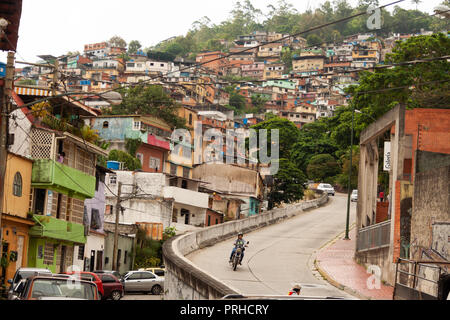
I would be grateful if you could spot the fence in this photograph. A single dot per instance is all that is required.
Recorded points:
(374, 237)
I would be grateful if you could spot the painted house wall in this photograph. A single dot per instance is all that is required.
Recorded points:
(125, 245)
(17, 205)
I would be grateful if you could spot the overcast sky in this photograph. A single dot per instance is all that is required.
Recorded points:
(58, 26)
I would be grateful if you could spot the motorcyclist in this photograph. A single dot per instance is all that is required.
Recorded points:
(239, 242)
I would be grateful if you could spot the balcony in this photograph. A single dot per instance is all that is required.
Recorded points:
(50, 227)
(52, 175)
(187, 197)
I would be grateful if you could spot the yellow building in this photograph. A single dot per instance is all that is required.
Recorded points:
(273, 71)
(308, 63)
(15, 222)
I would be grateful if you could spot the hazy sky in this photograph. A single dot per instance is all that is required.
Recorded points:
(58, 26)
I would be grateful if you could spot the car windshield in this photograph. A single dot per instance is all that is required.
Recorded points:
(62, 288)
(355, 191)
(327, 186)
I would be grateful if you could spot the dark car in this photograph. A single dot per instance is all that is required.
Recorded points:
(114, 273)
(112, 287)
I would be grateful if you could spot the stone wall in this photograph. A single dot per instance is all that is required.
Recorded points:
(185, 281)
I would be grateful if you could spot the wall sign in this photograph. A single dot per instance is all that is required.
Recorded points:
(387, 156)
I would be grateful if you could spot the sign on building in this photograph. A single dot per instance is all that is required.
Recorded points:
(387, 156)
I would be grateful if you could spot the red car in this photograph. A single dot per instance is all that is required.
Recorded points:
(91, 277)
(112, 286)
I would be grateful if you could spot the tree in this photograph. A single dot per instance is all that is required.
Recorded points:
(131, 163)
(237, 101)
(258, 102)
(117, 41)
(288, 134)
(149, 100)
(288, 184)
(342, 179)
(421, 85)
(134, 46)
(323, 168)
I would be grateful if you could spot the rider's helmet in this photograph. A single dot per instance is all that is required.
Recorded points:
(240, 234)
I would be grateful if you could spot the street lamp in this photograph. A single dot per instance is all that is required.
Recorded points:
(349, 178)
(350, 173)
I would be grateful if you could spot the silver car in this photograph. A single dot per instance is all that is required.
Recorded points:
(23, 274)
(354, 196)
(143, 281)
(325, 187)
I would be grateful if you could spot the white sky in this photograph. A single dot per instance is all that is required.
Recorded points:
(58, 26)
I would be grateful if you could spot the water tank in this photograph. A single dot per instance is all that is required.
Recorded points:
(113, 165)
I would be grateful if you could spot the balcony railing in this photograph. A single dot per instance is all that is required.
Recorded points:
(374, 237)
(50, 227)
(49, 174)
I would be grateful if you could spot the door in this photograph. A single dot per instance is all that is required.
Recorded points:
(62, 264)
(92, 262)
(133, 282)
(99, 265)
(20, 241)
(148, 280)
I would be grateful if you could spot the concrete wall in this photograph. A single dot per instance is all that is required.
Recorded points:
(185, 281)
(430, 214)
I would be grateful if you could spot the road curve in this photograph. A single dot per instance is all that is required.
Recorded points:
(280, 255)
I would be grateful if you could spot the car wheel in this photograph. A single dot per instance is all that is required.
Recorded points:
(115, 295)
(156, 290)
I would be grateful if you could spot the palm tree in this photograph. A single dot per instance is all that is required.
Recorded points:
(416, 2)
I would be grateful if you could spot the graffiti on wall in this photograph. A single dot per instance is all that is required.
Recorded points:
(441, 238)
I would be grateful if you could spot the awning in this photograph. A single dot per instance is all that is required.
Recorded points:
(32, 91)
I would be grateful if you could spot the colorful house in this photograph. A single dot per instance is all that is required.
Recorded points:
(15, 220)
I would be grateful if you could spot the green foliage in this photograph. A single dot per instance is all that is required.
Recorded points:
(169, 232)
(134, 46)
(149, 100)
(161, 56)
(132, 145)
(288, 184)
(288, 134)
(117, 41)
(342, 179)
(130, 162)
(323, 168)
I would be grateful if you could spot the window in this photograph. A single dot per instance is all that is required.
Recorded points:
(105, 125)
(136, 125)
(17, 185)
(135, 276)
(109, 209)
(155, 163)
(95, 219)
(173, 169)
(140, 157)
(125, 257)
(209, 220)
(184, 184)
(190, 118)
(112, 179)
(81, 252)
(186, 172)
(147, 275)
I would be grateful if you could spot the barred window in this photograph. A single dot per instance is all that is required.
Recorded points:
(17, 185)
(49, 253)
(81, 252)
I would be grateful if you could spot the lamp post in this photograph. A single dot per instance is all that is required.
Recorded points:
(349, 178)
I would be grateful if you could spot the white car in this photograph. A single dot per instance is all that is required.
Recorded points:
(354, 196)
(328, 188)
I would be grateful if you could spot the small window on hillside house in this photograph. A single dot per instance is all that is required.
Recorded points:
(17, 185)
(105, 125)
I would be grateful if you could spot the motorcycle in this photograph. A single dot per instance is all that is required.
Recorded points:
(237, 256)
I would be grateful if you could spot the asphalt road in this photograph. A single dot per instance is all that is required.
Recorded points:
(281, 255)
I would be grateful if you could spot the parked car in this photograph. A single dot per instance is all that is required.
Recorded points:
(112, 287)
(114, 273)
(143, 281)
(57, 287)
(158, 271)
(23, 273)
(90, 276)
(325, 187)
(354, 196)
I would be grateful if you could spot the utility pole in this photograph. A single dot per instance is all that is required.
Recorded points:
(5, 94)
(116, 228)
(349, 179)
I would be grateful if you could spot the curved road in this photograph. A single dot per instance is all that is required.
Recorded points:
(280, 255)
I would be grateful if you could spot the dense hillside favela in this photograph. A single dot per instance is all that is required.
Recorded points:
(110, 151)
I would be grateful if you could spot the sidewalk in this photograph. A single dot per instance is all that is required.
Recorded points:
(335, 263)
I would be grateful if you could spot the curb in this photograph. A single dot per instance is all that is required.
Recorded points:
(330, 279)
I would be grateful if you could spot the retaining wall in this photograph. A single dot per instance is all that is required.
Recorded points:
(185, 281)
